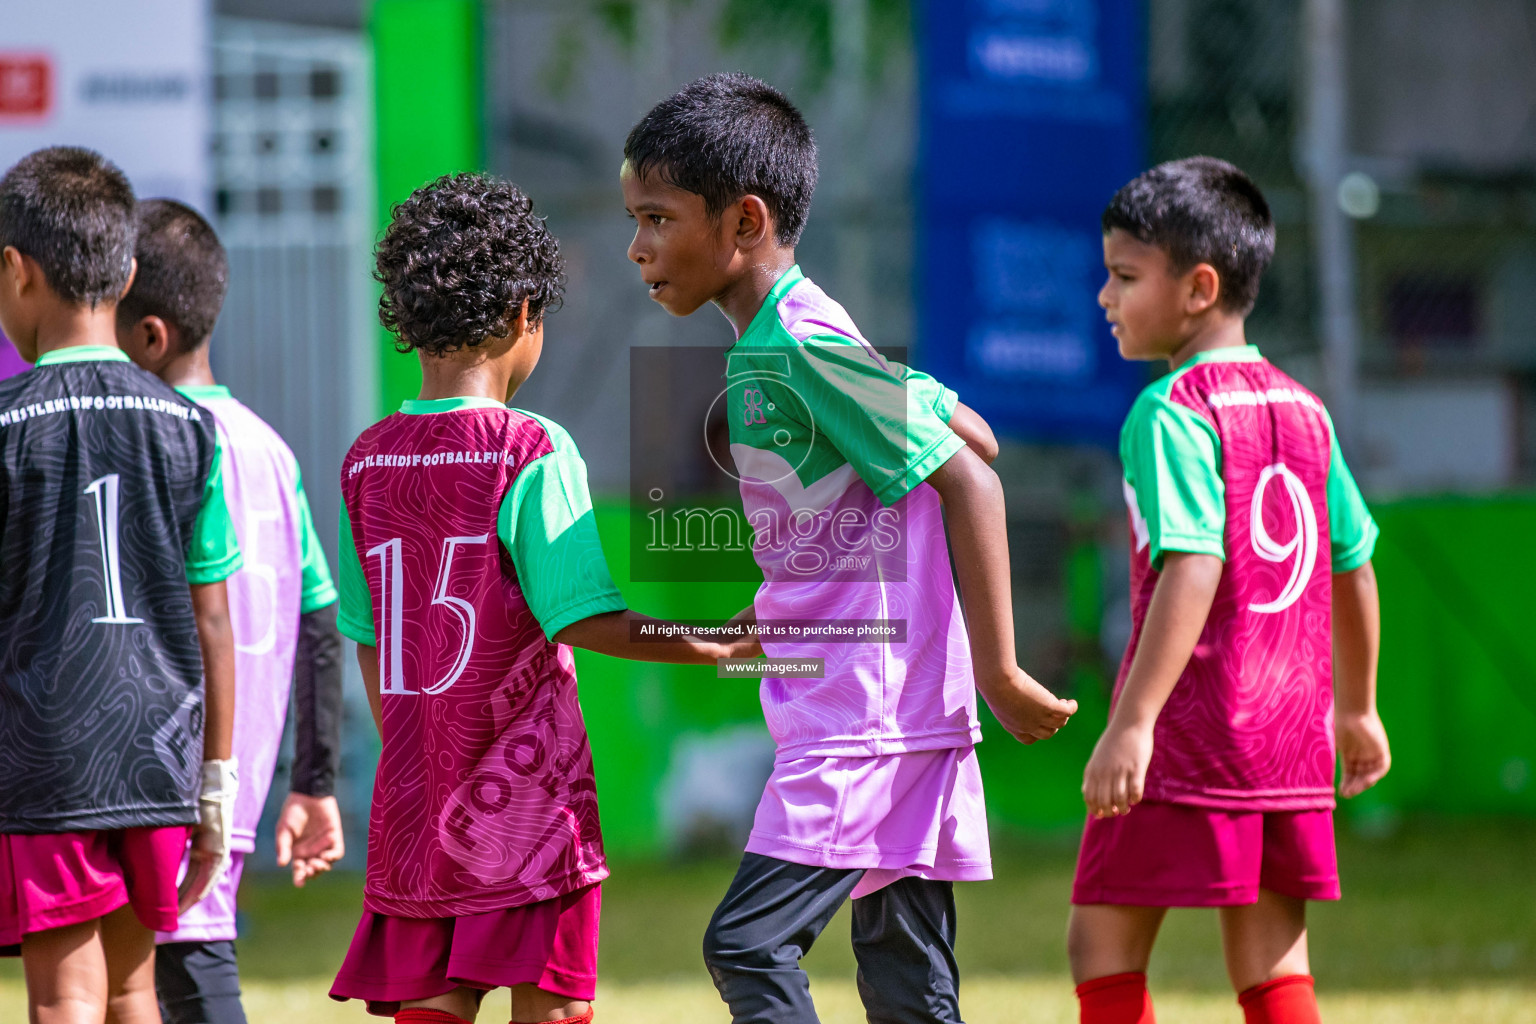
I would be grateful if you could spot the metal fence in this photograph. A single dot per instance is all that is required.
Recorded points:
(1397, 146)
(293, 202)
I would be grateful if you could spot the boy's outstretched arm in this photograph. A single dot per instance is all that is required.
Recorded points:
(210, 610)
(1117, 771)
(614, 634)
(974, 431)
(976, 520)
(309, 834)
(1362, 740)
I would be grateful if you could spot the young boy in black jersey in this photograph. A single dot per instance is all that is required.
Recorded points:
(111, 505)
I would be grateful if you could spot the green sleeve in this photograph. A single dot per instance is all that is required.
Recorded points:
(548, 527)
(318, 590)
(890, 432)
(1352, 530)
(354, 616)
(924, 390)
(1172, 459)
(214, 553)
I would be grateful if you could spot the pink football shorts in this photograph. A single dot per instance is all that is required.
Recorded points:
(1174, 855)
(59, 879)
(551, 944)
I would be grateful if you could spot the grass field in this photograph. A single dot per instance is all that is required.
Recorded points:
(1438, 925)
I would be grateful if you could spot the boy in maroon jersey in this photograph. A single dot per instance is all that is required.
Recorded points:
(1212, 785)
(470, 564)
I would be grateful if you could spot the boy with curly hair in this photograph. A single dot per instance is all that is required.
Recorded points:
(470, 564)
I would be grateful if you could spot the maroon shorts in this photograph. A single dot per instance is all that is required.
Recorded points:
(552, 944)
(1173, 855)
(65, 878)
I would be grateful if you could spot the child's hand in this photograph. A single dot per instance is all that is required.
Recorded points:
(309, 835)
(213, 835)
(1362, 741)
(1026, 709)
(1117, 772)
(748, 646)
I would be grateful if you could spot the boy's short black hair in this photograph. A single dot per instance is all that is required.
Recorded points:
(457, 261)
(183, 271)
(728, 136)
(1201, 210)
(71, 210)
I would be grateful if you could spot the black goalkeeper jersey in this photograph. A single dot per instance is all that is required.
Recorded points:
(104, 471)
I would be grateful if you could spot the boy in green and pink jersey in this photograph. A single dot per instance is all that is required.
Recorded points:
(1212, 785)
(849, 465)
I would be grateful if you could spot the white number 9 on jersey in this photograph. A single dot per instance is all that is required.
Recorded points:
(1300, 550)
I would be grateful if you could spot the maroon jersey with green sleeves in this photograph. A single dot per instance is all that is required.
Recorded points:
(1228, 456)
(484, 797)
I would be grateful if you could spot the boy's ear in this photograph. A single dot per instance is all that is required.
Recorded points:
(150, 343)
(16, 266)
(754, 224)
(517, 324)
(1204, 289)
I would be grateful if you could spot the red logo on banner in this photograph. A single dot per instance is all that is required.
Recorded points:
(26, 85)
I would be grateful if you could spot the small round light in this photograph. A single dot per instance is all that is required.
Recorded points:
(1359, 195)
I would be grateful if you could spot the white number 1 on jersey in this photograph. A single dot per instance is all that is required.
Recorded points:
(104, 490)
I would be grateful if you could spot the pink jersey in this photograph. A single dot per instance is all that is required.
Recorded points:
(1250, 724)
(261, 487)
(485, 797)
(832, 444)
(284, 575)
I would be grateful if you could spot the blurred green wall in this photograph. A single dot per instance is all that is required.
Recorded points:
(1458, 664)
(636, 711)
(427, 95)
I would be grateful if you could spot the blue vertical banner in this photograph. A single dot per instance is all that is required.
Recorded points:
(1033, 114)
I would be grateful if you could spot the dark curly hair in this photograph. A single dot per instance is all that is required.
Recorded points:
(457, 261)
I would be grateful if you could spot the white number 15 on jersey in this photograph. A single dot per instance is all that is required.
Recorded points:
(391, 599)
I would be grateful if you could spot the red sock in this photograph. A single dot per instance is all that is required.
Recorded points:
(1287, 1000)
(585, 1018)
(427, 1015)
(1117, 999)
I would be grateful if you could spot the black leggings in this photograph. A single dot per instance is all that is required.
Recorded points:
(198, 983)
(903, 938)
